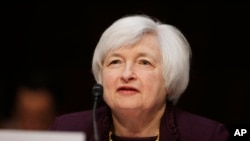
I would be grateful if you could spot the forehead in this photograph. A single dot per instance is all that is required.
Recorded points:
(147, 45)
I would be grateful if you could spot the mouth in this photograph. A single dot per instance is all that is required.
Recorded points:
(127, 90)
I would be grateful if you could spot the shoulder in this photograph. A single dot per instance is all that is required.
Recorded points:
(195, 127)
(183, 117)
(77, 121)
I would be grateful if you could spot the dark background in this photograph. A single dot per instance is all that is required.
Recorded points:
(59, 37)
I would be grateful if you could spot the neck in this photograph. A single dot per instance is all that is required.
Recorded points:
(137, 123)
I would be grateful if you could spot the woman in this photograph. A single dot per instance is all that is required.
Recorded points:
(143, 66)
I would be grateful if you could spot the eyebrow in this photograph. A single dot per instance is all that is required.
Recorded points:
(111, 55)
(141, 54)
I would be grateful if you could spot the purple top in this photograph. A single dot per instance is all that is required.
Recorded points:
(176, 125)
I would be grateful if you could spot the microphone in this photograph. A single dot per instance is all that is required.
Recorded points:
(97, 92)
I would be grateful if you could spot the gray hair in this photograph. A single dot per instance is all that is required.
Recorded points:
(174, 47)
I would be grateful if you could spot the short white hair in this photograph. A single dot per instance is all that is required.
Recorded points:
(174, 47)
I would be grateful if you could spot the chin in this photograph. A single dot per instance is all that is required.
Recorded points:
(127, 106)
(122, 103)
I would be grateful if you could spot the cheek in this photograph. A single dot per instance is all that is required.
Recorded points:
(109, 78)
(154, 83)
(152, 78)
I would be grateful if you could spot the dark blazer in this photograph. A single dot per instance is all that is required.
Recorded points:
(176, 125)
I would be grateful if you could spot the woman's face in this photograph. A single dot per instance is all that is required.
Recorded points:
(132, 76)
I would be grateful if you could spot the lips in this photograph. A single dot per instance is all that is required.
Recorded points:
(127, 90)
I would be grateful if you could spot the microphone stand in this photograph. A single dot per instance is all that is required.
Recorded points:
(97, 92)
(94, 120)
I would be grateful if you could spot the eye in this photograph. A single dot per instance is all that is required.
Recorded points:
(115, 62)
(144, 62)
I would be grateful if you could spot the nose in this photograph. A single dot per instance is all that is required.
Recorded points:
(128, 73)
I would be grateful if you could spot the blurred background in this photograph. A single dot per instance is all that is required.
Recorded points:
(47, 47)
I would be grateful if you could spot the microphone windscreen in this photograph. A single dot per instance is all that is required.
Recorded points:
(97, 90)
